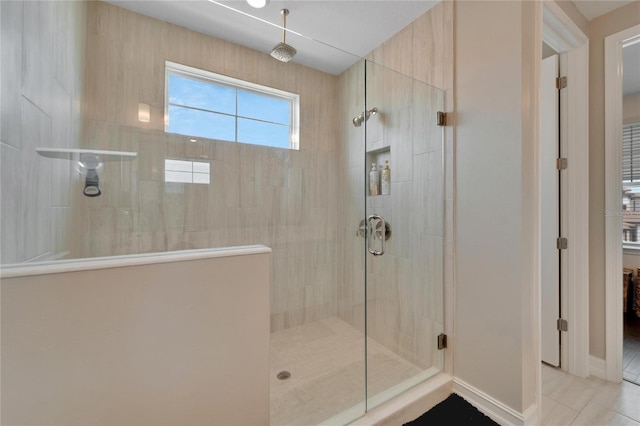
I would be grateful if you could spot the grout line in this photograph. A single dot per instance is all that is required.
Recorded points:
(624, 415)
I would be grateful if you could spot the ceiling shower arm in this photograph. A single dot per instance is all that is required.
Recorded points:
(284, 13)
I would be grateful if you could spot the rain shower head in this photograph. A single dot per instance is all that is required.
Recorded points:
(364, 116)
(282, 51)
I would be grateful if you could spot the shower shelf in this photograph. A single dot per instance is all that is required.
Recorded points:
(74, 154)
(379, 150)
(379, 156)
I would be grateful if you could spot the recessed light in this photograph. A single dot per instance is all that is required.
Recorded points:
(258, 4)
(193, 140)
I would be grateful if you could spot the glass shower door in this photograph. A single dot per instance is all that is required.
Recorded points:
(404, 213)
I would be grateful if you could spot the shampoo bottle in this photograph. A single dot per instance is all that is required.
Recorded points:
(374, 180)
(385, 185)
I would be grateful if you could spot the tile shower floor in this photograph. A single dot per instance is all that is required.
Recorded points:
(325, 359)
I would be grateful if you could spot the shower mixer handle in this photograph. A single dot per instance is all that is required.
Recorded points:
(372, 232)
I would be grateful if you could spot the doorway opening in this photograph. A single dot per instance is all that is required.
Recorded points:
(620, 255)
(631, 209)
(565, 38)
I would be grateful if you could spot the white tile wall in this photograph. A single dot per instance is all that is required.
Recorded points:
(42, 67)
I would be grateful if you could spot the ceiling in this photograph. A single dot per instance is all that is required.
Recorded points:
(592, 9)
(356, 27)
(316, 26)
(631, 55)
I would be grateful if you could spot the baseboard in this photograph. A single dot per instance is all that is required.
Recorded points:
(597, 367)
(499, 412)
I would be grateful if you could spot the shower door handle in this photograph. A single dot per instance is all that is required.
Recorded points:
(372, 233)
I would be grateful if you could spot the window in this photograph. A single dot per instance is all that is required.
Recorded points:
(631, 185)
(182, 171)
(201, 103)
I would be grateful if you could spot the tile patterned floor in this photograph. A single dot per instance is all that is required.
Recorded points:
(631, 351)
(570, 400)
(631, 360)
(315, 392)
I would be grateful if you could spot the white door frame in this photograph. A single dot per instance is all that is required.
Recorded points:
(566, 38)
(613, 199)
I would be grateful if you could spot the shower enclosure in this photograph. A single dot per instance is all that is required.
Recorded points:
(357, 269)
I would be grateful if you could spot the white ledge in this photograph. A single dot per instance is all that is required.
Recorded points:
(74, 154)
(42, 268)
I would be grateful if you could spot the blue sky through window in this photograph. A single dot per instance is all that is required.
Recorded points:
(197, 94)
(193, 122)
(218, 111)
(262, 133)
(262, 107)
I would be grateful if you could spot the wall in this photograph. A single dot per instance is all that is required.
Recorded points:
(631, 260)
(131, 341)
(631, 109)
(576, 16)
(600, 27)
(281, 198)
(405, 286)
(42, 56)
(496, 349)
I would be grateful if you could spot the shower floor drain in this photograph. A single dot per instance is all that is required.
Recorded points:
(283, 375)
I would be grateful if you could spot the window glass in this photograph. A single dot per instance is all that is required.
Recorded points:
(196, 94)
(263, 133)
(194, 122)
(204, 104)
(262, 107)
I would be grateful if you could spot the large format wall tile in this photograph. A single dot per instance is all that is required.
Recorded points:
(11, 82)
(42, 75)
(257, 195)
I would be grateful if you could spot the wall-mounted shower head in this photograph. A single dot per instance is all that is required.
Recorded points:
(282, 51)
(89, 166)
(92, 184)
(364, 116)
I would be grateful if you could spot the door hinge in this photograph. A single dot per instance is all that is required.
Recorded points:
(442, 341)
(563, 325)
(561, 163)
(562, 243)
(442, 118)
(561, 82)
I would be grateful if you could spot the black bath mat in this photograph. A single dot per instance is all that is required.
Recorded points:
(453, 411)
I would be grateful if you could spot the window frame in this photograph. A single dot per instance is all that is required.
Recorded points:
(208, 77)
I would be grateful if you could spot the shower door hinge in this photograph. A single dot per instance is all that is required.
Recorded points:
(561, 163)
(563, 325)
(562, 243)
(561, 82)
(442, 341)
(442, 118)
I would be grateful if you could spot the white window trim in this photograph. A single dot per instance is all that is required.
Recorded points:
(210, 77)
